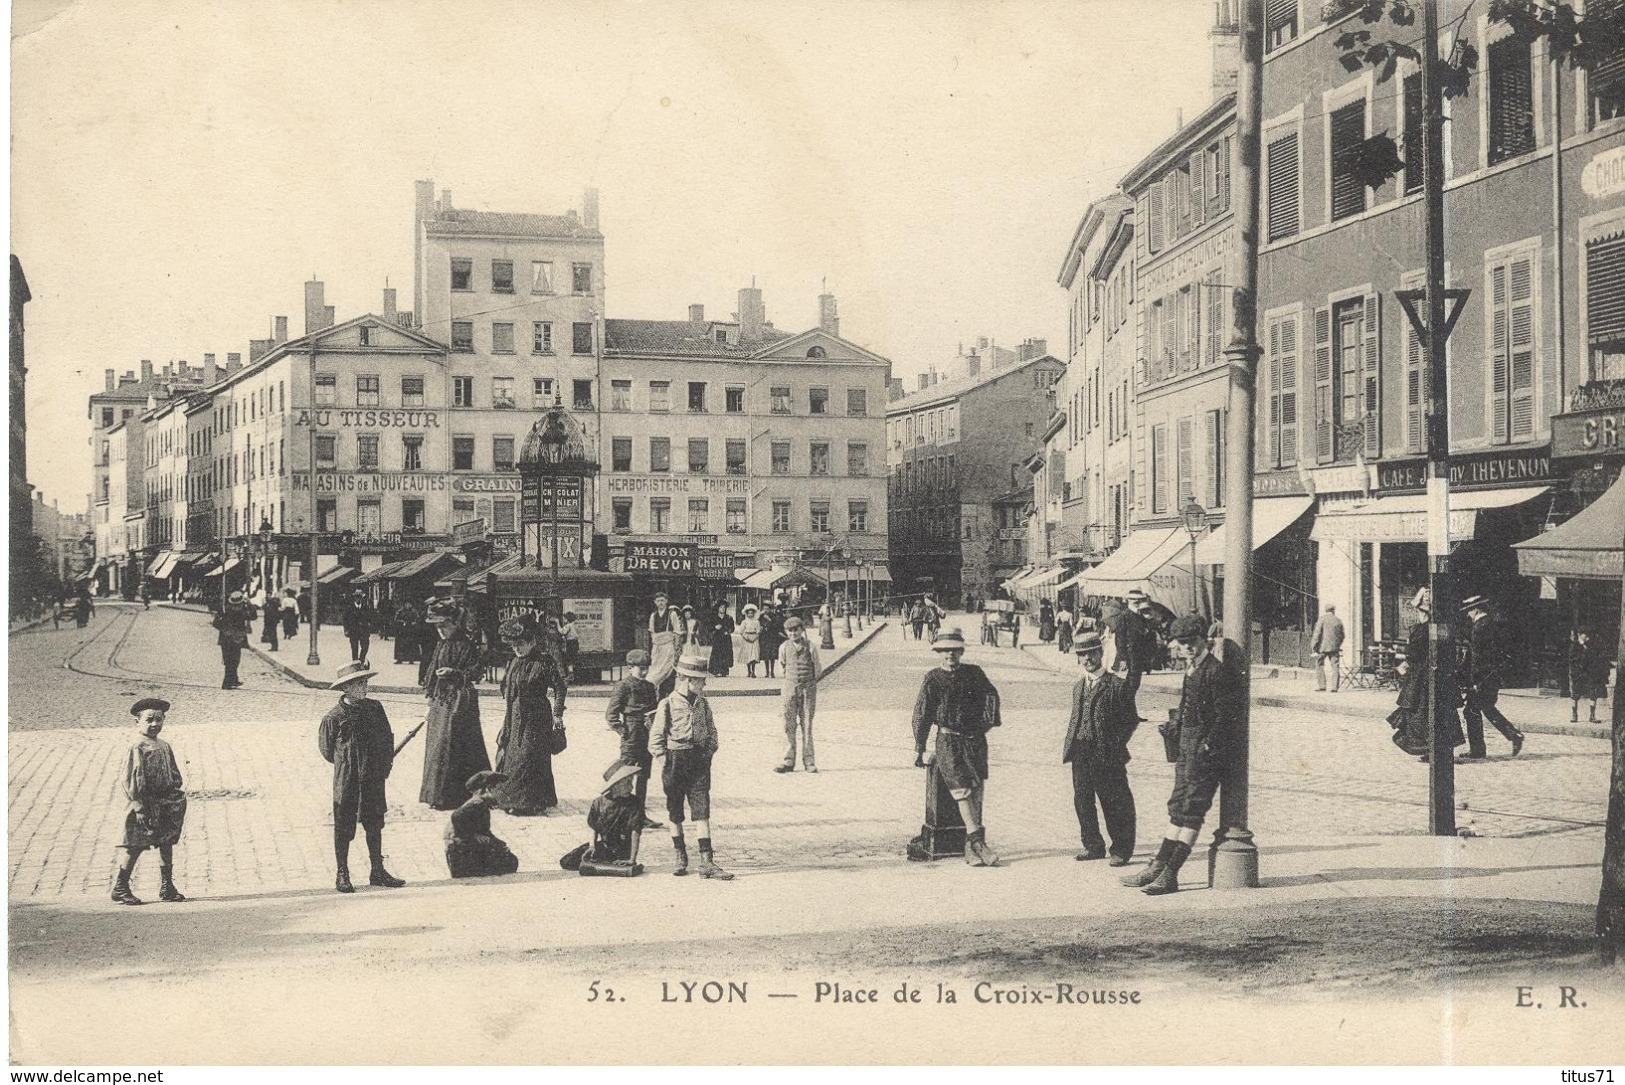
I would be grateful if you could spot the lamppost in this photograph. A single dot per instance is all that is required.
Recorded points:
(846, 593)
(826, 622)
(313, 658)
(1195, 521)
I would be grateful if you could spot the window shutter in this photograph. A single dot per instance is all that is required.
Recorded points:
(1198, 168)
(1605, 289)
(1159, 469)
(1224, 173)
(1371, 376)
(1142, 213)
(1323, 385)
(1214, 290)
(1522, 360)
(1498, 354)
(1154, 233)
(1289, 391)
(1142, 329)
(1272, 436)
(1283, 186)
(1415, 411)
(1512, 101)
(1187, 490)
(1412, 135)
(1347, 132)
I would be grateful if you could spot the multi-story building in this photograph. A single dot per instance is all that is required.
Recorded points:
(954, 447)
(21, 505)
(165, 465)
(1534, 209)
(736, 435)
(519, 298)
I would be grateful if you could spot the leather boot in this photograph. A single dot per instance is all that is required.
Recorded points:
(977, 853)
(375, 851)
(1167, 879)
(121, 889)
(341, 853)
(682, 856)
(1574, 712)
(708, 866)
(1153, 868)
(166, 888)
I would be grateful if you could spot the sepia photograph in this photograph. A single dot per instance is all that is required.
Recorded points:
(532, 525)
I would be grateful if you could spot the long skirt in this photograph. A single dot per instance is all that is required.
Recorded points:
(526, 758)
(722, 654)
(454, 750)
(1411, 730)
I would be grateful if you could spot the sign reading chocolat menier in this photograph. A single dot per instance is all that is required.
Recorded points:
(1476, 470)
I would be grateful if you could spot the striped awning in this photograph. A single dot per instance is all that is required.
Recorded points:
(163, 565)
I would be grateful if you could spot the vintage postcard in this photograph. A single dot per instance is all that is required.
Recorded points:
(822, 532)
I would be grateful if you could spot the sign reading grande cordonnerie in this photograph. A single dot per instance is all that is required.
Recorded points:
(672, 559)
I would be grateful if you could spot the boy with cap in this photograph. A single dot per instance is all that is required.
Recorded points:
(961, 704)
(356, 739)
(798, 660)
(472, 851)
(685, 735)
(1103, 720)
(1209, 710)
(157, 805)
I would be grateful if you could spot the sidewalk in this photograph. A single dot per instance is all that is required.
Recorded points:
(403, 677)
(1293, 687)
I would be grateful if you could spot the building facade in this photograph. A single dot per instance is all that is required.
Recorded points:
(1534, 214)
(953, 448)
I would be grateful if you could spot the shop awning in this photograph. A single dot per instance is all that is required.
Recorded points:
(1589, 545)
(1040, 578)
(1132, 565)
(162, 565)
(1271, 516)
(481, 580)
(768, 579)
(432, 563)
(190, 558)
(338, 574)
(383, 572)
(231, 563)
(1404, 517)
(879, 573)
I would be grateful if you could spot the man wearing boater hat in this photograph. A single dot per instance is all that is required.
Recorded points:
(234, 622)
(356, 739)
(1210, 706)
(960, 704)
(1103, 720)
(157, 805)
(1486, 656)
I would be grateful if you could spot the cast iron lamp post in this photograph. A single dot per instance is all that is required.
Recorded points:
(1195, 520)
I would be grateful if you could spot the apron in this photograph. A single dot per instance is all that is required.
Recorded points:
(663, 644)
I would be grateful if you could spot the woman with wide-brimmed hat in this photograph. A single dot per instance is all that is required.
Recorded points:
(455, 743)
(531, 725)
(750, 638)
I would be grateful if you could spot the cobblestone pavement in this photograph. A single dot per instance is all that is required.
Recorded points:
(259, 815)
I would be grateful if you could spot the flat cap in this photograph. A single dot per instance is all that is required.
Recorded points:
(149, 702)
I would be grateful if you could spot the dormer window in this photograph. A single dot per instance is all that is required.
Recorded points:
(369, 335)
(817, 352)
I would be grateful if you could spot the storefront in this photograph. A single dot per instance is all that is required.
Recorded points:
(1371, 540)
(1284, 604)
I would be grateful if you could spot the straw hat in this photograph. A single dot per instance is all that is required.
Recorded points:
(620, 774)
(1088, 642)
(948, 640)
(695, 663)
(352, 672)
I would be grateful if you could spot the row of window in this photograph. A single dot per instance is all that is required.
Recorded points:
(1193, 193)
(1174, 484)
(658, 516)
(939, 425)
(735, 456)
(781, 398)
(503, 340)
(502, 276)
(926, 474)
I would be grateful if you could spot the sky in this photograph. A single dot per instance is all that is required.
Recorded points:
(179, 169)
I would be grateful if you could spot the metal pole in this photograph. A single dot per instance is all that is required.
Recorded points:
(1234, 855)
(1441, 684)
(314, 657)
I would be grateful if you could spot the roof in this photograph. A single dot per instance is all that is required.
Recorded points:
(460, 221)
(1099, 211)
(679, 337)
(1222, 109)
(152, 386)
(1117, 243)
(312, 340)
(959, 386)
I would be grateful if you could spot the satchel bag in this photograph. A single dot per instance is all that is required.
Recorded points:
(557, 740)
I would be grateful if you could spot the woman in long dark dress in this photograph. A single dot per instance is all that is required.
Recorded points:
(454, 743)
(772, 636)
(525, 746)
(722, 641)
(1410, 719)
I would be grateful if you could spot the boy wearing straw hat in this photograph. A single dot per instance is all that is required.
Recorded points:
(356, 739)
(684, 734)
(960, 703)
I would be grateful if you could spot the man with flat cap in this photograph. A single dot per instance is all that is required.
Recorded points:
(356, 739)
(157, 805)
(1486, 660)
(798, 699)
(1210, 707)
(959, 703)
(1097, 735)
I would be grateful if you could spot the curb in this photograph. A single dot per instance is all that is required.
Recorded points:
(595, 690)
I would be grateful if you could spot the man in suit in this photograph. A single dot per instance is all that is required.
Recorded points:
(1326, 642)
(1483, 681)
(1210, 707)
(234, 622)
(1103, 720)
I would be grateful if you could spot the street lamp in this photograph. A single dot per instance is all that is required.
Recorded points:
(265, 533)
(1195, 521)
(313, 658)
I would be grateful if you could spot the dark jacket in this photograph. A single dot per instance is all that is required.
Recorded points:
(1209, 711)
(357, 621)
(355, 736)
(1588, 670)
(234, 622)
(1484, 662)
(1103, 720)
(963, 702)
(629, 708)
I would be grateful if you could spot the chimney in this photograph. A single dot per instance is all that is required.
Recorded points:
(752, 314)
(210, 373)
(390, 314)
(1226, 41)
(327, 316)
(828, 321)
(314, 306)
(112, 379)
(973, 365)
(423, 193)
(280, 334)
(234, 362)
(423, 199)
(696, 314)
(925, 381)
(146, 369)
(169, 371)
(894, 388)
(128, 378)
(404, 319)
(257, 349)
(445, 200)
(589, 209)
